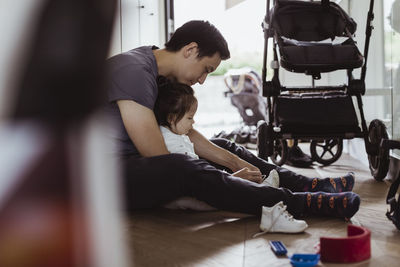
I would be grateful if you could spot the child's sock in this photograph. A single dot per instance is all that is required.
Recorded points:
(331, 185)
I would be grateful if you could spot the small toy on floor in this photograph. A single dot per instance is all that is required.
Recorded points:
(304, 260)
(278, 248)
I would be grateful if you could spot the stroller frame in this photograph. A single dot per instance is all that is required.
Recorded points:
(272, 136)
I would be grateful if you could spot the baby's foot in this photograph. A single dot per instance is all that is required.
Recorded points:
(272, 180)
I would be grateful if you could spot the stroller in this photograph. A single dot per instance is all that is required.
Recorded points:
(244, 89)
(245, 92)
(315, 37)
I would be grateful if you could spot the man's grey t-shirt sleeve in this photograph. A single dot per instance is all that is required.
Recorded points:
(133, 82)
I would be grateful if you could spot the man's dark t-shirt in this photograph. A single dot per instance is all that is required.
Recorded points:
(132, 76)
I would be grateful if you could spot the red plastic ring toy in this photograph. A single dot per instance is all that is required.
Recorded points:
(356, 247)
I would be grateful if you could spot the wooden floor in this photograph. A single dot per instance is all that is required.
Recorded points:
(183, 238)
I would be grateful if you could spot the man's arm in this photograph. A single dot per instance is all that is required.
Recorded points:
(142, 128)
(205, 149)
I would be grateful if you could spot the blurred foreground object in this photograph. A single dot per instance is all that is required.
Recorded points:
(59, 202)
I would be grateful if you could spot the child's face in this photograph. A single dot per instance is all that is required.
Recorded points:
(185, 124)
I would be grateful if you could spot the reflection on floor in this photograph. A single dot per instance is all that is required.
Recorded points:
(182, 238)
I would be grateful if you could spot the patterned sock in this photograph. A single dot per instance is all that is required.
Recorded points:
(342, 205)
(331, 185)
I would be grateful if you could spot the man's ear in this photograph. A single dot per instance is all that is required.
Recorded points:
(190, 49)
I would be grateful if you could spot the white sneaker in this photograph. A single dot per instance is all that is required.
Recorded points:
(272, 179)
(277, 219)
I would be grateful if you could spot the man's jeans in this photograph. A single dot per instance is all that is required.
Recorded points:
(151, 182)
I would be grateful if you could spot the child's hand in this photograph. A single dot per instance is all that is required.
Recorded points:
(248, 174)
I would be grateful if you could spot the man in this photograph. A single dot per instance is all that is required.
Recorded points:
(153, 176)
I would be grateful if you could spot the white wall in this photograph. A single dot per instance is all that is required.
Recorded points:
(137, 23)
(116, 45)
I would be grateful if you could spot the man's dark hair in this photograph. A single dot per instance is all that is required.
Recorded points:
(207, 37)
(173, 101)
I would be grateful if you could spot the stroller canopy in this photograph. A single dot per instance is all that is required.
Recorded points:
(311, 21)
(314, 37)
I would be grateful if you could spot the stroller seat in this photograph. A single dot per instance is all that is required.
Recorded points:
(320, 58)
(315, 37)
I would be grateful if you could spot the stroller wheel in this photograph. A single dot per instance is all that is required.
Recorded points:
(327, 151)
(280, 153)
(378, 164)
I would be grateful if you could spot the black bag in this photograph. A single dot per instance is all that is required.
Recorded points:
(394, 213)
(321, 113)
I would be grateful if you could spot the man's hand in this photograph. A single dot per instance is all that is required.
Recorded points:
(142, 128)
(246, 173)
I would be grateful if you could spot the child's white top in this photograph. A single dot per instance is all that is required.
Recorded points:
(177, 143)
(181, 144)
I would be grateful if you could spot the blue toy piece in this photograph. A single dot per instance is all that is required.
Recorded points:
(304, 260)
(278, 248)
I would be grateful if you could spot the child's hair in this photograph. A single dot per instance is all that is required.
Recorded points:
(173, 101)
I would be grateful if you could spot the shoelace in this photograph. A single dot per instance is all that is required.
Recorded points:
(287, 214)
(282, 210)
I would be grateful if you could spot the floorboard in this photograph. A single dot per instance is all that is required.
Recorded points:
(185, 238)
